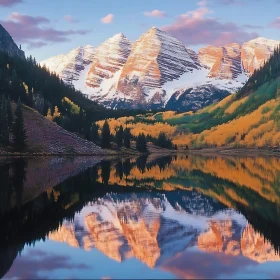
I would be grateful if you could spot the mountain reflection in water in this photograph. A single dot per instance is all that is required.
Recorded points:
(175, 216)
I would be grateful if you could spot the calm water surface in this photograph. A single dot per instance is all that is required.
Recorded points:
(171, 217)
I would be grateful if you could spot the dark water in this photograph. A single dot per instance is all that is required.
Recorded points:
(170, 217)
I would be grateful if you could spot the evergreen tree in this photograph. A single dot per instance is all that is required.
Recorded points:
(163, 142)
(94, 136)
(10, 113)
(119, 136)
(126, 138)
(106, 136)
(81, 120)
(141, 143)
(4, 126)
(19, 132)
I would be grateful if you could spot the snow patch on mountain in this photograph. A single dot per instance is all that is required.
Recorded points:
(159, 71)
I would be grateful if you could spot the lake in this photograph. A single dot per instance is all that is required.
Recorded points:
(172, 217)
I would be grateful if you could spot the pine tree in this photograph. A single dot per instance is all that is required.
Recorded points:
(4, 131)
(119, 137)
(93, 134)
(105, 136)
(19, 132)
(10, 113)
(163, 142)
(141, 143)
(126, 138)
(81, 120)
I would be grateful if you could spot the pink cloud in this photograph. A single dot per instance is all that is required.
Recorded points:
(70, 19)
(8, 3)
(275, 23)
(107, 19)
(156, 13)
(196, 28)
(25, 19)
(34, 31)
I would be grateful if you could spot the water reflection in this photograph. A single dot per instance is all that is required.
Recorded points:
(170, 213)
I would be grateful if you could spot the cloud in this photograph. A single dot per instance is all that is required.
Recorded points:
(36, 31)
(25, 19)
(37, 262)
(9, 3)
(275, 23)
(196, 28)
(70, 19)
(107, 19)
(202, 265)
(250, 26)
(156, 13)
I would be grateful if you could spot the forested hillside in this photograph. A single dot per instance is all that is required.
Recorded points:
(249, 118)
(50, 96)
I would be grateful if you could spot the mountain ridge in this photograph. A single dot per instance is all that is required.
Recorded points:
(156, 66)
(8, 45)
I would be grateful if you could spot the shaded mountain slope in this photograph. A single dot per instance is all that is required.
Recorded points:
(44, 136)
(8, 45)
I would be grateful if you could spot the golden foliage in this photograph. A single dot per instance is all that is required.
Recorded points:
(257, 129)
(220, 104)
(233, 106)
(75, 109)
(260, 175)
(137, 128)
(25, 87)
(49, 115)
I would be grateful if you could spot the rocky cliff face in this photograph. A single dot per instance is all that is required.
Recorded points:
(223, 62)
(228, 237)
(8, 45)
(70, 66)
(195, 98)
(255, 52)
(154, 229)
(109, 59)
(157, 69)
(156, 58)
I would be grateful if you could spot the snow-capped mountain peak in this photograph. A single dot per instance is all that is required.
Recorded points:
(109, 59)
(255, 52)
(70, 65)
(158, 69)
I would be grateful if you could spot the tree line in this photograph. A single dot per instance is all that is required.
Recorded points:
(12, 130)
(269, 71)
(123, 138)
(45, 92)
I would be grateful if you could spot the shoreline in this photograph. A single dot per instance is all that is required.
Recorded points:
(229, 151)
(222, 151)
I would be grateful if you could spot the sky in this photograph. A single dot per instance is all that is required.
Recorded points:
(48, 28)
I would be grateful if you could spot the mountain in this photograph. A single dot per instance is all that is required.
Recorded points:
(256, 52)
(223, 62)
(109, 59)
(195, 98)
(156, 58)
(8, 45)
(158, 71)
(249, 118)
(69, 66)
(150, 228)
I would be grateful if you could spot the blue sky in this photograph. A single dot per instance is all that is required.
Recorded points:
(47, 28)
